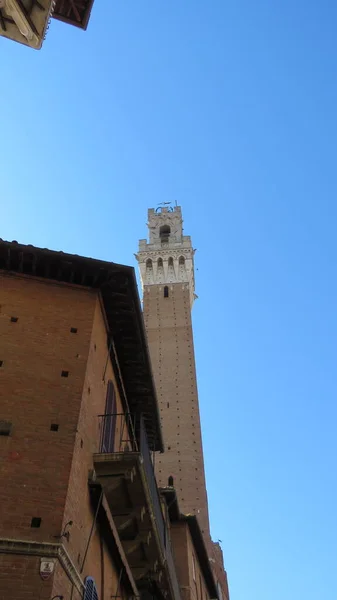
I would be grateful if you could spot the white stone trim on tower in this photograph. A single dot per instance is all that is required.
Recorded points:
(168, 257)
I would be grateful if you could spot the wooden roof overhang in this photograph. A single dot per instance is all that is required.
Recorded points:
(73, 12)
(118, 289)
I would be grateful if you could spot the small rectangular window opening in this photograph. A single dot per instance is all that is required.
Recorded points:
(1, 363)
(166, 292)
(73, 330)
(14, 319)
(36, 522)
(5, 428)
(64, 373)
(54, 427)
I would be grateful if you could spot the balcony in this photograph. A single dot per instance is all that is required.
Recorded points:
(123, 468)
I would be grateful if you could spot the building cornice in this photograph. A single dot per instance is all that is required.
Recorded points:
(44, 549)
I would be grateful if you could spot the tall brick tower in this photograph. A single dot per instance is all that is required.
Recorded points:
(167, 273)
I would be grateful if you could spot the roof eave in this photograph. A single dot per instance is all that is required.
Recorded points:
(118, 287)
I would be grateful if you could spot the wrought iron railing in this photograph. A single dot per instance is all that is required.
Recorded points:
(117, 433)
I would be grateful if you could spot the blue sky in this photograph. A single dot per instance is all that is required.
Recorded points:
(230, 109)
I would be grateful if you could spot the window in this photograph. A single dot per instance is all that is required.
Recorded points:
(170, 481)
(166, 292)
(164, 233)
(160, 262)
(36, 522)
(5, 428)
(193, 568)
(181, 260)
(109, 420)
(90, 592)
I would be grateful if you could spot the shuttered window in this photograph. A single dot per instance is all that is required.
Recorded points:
(90, 592)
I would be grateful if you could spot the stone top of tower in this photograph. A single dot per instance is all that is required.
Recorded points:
(165, 226)
(167, 256)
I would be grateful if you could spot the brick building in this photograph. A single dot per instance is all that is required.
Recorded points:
(27, 21)
(166, 264)
(81, 514)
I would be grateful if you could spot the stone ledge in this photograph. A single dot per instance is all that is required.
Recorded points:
(44, 549)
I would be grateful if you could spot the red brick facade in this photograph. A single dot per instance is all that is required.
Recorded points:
(66, 503)
(166, 263)
(170, 337)
(193, 585)
(58, 328)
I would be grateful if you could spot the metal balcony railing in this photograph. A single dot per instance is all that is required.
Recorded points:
(117, 433)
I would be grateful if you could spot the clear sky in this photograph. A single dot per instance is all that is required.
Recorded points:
(230, 108)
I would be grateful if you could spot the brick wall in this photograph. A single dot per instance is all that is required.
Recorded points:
(170, 338)
(35, 461)
(78, 508)
(46, 472)
(220, 574)
(190, 576)
(20, 579)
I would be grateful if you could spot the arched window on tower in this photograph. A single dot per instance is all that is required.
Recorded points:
(149, 263)
(170, 481)
(160, 262)
(170, 262)
(166, 291)
(164, 233)
(181, 260)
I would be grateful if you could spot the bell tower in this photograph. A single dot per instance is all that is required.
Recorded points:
(166, 264)
(168, 256)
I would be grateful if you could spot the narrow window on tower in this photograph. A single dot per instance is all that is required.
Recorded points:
(166, 292)
(164, 233)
